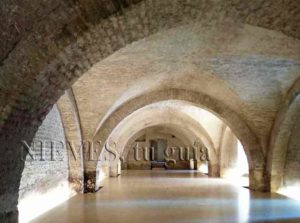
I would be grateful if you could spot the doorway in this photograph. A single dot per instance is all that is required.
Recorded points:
(158, 148)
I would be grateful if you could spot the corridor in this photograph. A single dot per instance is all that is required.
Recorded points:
(173, 196)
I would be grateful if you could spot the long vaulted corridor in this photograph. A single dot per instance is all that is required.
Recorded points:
(149, 111)
(173, 196)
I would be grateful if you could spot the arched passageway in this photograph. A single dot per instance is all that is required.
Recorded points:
(236, 59)
(195, 125)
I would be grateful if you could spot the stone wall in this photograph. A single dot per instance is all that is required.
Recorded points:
(71, 123)
(228, 153)
(172, 142)
(37, 66)
(40, 176)
(292, 165)
(283, 145)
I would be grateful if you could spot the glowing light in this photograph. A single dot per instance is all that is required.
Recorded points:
(102, 174)
(291, 192)
(36, 204)
(239, 174)
(203, 168)
(242, 162)
(234, 176)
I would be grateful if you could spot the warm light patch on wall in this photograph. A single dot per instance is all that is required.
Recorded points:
(234, 177)
(239, 174)
(203, 168)
(36, 204)
(102, 174)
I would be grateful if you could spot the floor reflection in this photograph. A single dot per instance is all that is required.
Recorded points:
(174, 196)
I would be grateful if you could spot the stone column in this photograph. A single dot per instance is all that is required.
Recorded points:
(115, 168)
(213, 170)
(258, 180)
(11, 216)
(11, 168)
(90, 182)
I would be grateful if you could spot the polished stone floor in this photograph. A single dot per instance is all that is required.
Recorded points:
(173, 196)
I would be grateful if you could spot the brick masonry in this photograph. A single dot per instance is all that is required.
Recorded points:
(41, 176)
(49, 44)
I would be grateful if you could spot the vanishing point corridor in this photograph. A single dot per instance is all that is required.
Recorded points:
(149, 111)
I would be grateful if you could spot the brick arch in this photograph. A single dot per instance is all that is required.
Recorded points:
(176, 117)
(58, 49)
(49, 46)
(202, 136)
(247, 137)
(184, 135)
(71, 122)
(137, 121)
(51, 61)
(282, 133)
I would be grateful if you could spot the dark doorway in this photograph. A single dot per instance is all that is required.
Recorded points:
(158, 147)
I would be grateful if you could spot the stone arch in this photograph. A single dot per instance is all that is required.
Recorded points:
(132, 125)
(284, 127)
(71, 123)
(48, 54)
(57, 59)
(233, 120)
(253, 150)
(177, 119)
(65, 55)
(213, 163)
(68, 58)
